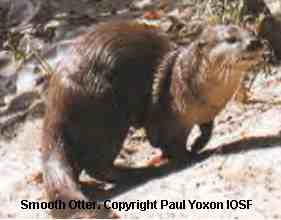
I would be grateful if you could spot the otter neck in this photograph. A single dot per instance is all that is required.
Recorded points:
(162, 80)
(218, 83)
(199, 94)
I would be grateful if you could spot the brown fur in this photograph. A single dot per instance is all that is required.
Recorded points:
(123, 74)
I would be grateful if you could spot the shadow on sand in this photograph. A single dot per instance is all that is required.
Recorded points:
(129, 179)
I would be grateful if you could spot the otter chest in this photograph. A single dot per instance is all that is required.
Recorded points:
(197, 114)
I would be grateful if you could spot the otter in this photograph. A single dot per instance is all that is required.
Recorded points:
(129, 74)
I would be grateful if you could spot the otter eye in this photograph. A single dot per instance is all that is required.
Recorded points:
(232, 40)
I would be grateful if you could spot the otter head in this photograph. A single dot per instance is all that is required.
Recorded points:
(225, 54)
(208, 72)
(231, 46)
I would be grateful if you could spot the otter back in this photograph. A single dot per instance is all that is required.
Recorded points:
(102, 86)
(117, 59)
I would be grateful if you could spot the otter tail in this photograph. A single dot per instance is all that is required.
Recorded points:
(61, 180)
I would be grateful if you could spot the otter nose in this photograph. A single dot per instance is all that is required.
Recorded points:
(254, 44)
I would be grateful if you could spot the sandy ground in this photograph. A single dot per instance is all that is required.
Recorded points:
(245, 170)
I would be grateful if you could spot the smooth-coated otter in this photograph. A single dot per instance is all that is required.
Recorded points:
(125, 73)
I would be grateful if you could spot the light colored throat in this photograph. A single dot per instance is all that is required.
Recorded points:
(220, 86)
(215, 89)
